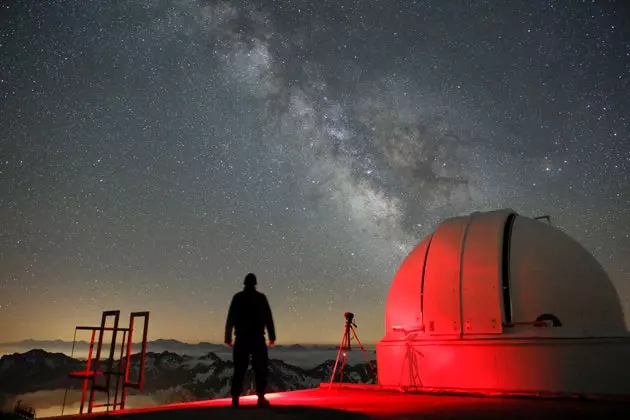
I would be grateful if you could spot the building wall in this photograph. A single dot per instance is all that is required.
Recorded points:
(575, 366)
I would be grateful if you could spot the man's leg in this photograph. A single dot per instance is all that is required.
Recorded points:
(260, 361)
(240, 356)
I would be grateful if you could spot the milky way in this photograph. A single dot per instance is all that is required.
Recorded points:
(154, 152)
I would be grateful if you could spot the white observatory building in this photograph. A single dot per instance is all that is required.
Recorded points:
(496, 301)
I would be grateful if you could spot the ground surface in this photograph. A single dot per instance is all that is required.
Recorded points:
(362, 404)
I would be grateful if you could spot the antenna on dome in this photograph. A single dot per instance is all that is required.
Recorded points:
(346, 345)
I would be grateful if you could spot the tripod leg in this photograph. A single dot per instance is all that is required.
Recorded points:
(343, 365)
(342, 347)
(364, 353)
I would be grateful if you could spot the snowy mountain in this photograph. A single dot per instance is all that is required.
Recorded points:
(170, 377)
(36, 370)
(81, 347)
(305, 356)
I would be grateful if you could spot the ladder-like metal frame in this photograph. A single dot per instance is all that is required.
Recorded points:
(92, 374)
(127, 383)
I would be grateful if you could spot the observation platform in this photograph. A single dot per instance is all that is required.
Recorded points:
(371, 402)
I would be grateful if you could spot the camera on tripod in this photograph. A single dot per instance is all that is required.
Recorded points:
(350, 319)
(348, 334)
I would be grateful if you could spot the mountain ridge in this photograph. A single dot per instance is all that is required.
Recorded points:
(169, 377)
(160, 342)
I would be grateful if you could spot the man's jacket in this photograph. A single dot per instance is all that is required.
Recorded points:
(249, 315)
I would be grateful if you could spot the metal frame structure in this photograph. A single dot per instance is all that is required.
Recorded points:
(100, 380)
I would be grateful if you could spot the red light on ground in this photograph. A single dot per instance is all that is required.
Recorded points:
(272, 396)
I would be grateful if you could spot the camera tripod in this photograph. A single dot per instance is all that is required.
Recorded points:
(346, 345)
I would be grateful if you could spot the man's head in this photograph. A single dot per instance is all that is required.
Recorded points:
(250, 280)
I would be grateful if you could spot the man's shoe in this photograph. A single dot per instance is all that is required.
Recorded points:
(262, 402)
(235, 402)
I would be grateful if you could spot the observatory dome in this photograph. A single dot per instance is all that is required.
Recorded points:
(499, 272)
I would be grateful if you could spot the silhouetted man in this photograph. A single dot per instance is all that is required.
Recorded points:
(249, 315)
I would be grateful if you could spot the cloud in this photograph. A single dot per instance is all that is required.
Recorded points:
(383, 153)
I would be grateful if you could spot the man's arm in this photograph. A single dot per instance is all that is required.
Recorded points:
(229, 323)
(269, 321)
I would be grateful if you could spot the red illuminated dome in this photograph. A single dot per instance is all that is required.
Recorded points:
(499, 301)
(488, 273)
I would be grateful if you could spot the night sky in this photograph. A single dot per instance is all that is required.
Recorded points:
(154, 152)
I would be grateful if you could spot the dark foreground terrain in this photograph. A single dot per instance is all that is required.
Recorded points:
(365, 404)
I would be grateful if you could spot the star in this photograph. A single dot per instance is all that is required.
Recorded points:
(153, 154)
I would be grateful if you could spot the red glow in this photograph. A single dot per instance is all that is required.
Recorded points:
(373, 401)
(445, 316)
(404, 299)
(271, 397)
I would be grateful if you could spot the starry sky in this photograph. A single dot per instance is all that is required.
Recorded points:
(153, 152)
